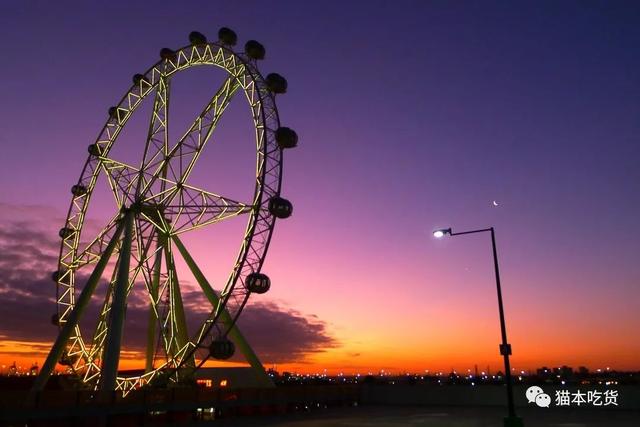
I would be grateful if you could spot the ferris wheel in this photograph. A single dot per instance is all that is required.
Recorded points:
(155, 205)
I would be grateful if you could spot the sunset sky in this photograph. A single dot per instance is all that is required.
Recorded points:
(412, 116)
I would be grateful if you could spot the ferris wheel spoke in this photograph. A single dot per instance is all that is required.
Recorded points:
(91, 253)
(191, 144)
(157, 143)
(159, 330)
(153, 286)
(122, 180)
(193, 208)
(145, 236)
(179, 333)
(100, 333)
(160, 285)
(195, 217)
(180, 160)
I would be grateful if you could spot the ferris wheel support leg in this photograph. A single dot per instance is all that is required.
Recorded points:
(118, 306)
(75, 315)
(182, 336)
(234, 332)
(153, 318)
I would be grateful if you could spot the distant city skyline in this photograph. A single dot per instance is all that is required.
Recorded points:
(412, 116)
(565, 370)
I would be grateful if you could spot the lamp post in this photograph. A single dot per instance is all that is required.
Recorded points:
(505, 348)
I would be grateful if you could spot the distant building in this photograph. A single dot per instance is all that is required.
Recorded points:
(544, 372)
(227, 377)
(563, 371)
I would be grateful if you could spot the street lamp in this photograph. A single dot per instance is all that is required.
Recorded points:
(505, 348)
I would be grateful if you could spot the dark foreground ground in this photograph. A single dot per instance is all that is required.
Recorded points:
(394, 416)
(307, 406)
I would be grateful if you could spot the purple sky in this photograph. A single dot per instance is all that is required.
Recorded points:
(412, 115)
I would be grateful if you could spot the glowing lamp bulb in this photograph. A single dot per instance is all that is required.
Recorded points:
(441, 232)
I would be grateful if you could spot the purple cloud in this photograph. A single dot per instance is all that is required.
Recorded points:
(29, 253)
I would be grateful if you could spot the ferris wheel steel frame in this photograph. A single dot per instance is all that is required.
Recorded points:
(155, 205)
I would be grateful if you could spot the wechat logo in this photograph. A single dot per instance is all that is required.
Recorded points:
(536, 395)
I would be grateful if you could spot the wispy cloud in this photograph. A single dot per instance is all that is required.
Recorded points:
(28, 255)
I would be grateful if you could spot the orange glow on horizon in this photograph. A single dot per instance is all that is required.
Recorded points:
(353, 359)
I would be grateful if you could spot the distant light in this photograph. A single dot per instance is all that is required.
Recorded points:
(223, 383)
(204, 382)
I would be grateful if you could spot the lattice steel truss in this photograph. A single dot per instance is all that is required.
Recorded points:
(155, 204)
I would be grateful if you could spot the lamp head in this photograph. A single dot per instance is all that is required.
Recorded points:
(442, 232)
